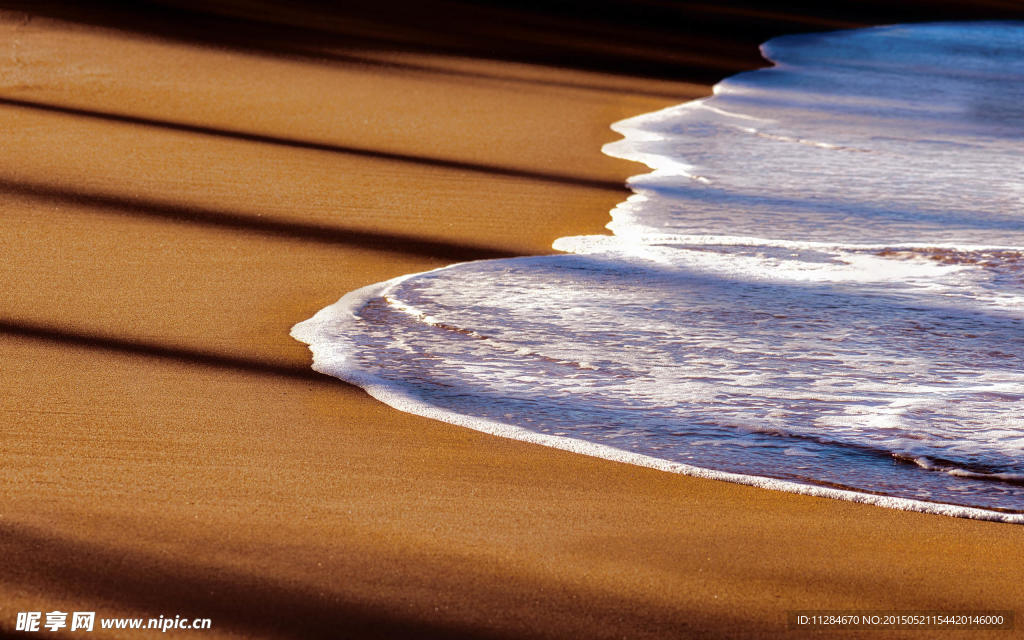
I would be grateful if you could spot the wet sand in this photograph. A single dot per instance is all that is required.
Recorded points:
(176, 195)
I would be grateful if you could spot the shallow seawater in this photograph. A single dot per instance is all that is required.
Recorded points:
(819, 288)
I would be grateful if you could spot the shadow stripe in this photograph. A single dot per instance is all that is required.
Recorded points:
(222, 218)
(372, 154)
(128, 346)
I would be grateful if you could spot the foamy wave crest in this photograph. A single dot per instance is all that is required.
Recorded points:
(819, 288)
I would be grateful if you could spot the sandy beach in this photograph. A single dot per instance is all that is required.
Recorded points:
(178, 189)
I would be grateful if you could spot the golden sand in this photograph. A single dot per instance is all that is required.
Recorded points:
(171, 208)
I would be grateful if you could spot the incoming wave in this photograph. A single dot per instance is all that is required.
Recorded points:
(819, 288)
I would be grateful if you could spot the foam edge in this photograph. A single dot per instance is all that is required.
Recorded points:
(317, 331)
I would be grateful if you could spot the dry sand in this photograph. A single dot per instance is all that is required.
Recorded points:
(169, 208)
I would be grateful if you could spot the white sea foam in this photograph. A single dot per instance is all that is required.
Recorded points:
(819, 288)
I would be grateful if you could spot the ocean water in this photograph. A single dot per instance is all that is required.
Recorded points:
(818, 288)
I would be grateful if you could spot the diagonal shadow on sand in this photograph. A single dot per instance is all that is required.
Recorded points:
(244, 602)
(371, 154)
(87, 340)
(255, 605)
(244, 222)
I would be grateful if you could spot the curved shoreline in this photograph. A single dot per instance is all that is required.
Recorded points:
(316, 331)
(343, 317)
(166, 448)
